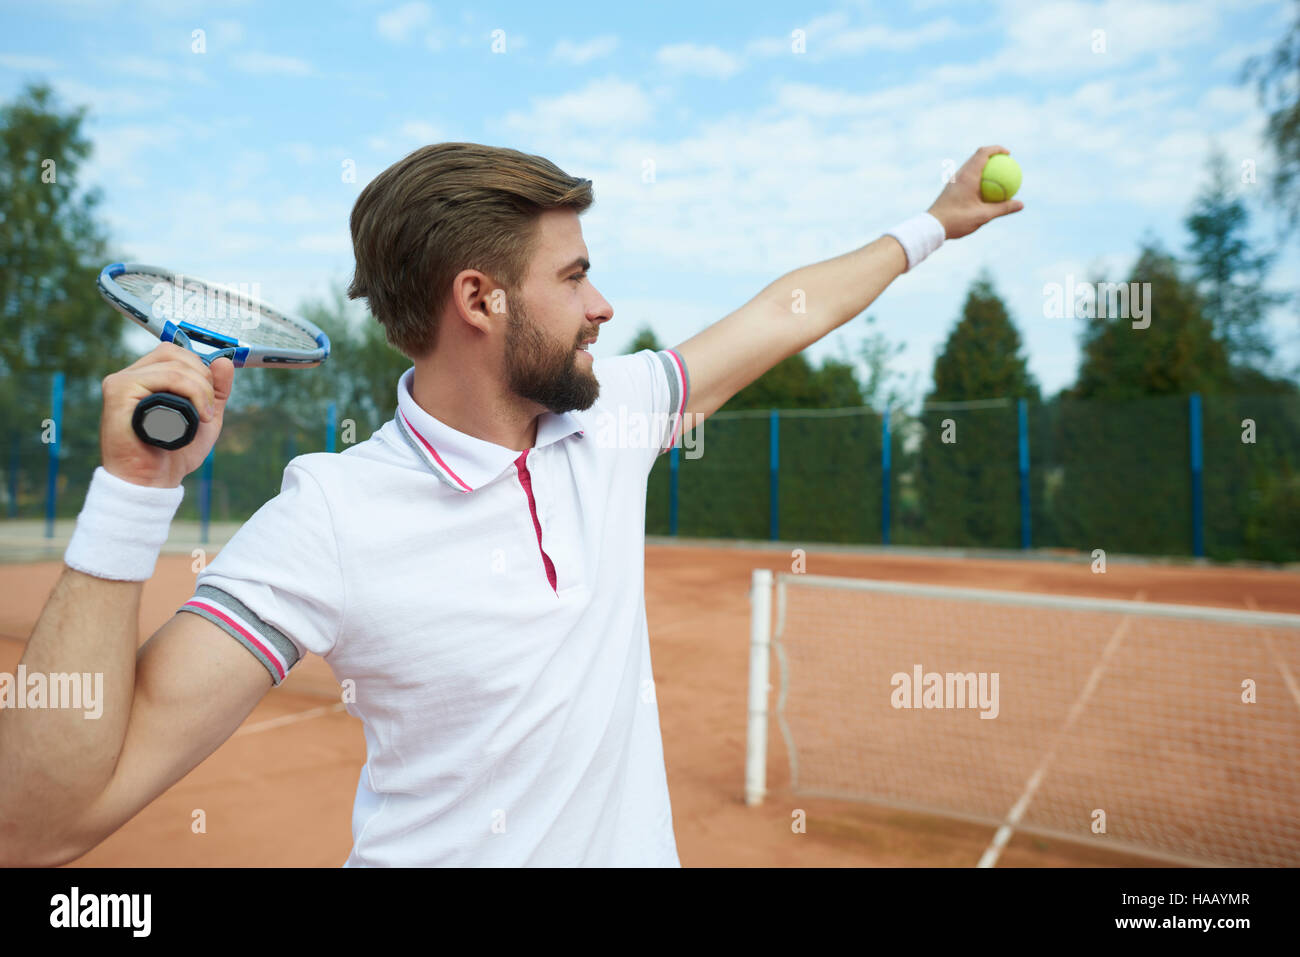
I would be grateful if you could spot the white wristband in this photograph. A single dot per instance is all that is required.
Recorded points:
(121, 528)
(919, 236)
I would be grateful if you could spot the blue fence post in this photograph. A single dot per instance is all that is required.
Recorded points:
(884, 476)
(52, 470)
(1194, 436)
(672, 490)
(329, 435)
(774, 471)
(1026, 531)
(205, 495)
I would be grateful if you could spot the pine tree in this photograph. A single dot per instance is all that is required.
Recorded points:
(52, 317)
(968, 464)
(1229, 273)
(1177, 352)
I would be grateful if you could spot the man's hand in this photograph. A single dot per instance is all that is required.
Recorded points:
(960, 207)
(170, 368)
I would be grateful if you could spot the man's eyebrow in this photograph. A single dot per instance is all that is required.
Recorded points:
(580, 261)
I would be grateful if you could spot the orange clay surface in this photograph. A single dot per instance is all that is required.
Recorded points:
(279, 792)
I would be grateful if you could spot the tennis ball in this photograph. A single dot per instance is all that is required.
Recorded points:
(1000, 179)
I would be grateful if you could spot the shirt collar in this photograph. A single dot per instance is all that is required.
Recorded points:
(463, 461)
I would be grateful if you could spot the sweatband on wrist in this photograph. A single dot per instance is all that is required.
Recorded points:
(919, 236)
(121, 528)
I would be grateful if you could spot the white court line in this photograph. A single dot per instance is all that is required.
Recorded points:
(1277, 659)
(1003, 835)
(288, 719)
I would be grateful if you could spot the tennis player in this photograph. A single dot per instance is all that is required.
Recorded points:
(472, 573)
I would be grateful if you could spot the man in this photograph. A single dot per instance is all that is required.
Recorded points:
(473, 573)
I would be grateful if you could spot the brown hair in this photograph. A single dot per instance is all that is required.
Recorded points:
(442, 209)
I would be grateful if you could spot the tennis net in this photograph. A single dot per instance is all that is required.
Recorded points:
(1163, 730)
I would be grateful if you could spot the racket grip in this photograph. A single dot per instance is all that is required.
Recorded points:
(166, 420)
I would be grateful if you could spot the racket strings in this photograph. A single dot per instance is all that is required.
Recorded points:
(224, 311)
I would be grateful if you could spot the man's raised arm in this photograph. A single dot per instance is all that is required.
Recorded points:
(802, 306)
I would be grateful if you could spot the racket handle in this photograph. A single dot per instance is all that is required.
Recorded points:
(166, 420)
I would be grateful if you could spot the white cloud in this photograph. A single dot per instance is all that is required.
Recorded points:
(300, 209)
(116, 153)
(408, 136)
(23, 61)
(580, 53)
(248, 168)
(601, 104)
(333, 241)
(304, 153)
(107, 101)
(153, 68)
(1233, 100)
(831, 35)
(226, 33)
(696, 60)
(199, 228)
(421, 132)
(887, 38)
(405, 23)
(1054, 38)
(263, 64)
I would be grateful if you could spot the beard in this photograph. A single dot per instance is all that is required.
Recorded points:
(542, 370)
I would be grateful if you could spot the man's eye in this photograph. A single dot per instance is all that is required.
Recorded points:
(579, 276)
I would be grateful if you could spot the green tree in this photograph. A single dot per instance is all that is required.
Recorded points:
(983, 357)
(967, 468)
(882, 385)
(51, 248)
(1177, 353)
(1229, 273)
(1277, 76)
(836, 385)
(645, 339)
(1122, 430)
(276, 414)
(795, 383)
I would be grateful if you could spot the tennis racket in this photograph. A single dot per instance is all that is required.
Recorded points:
(224, 321)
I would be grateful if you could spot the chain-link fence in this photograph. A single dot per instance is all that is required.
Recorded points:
(1212, 475)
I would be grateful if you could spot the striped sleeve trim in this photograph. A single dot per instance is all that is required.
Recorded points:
(267, 643)
(679, 389)
(430, 455)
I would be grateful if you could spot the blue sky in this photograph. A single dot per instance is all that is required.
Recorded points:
(227, 163)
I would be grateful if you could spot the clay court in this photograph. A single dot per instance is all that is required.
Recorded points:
(280, 791)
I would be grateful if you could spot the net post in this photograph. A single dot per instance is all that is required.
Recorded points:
(760, 640)
(52, 467)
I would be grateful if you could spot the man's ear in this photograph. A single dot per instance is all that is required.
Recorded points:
(472, 297)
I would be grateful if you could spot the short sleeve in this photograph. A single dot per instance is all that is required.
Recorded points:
(277, 587)
(642, 401)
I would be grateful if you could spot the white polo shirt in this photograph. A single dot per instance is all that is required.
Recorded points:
(486, 609)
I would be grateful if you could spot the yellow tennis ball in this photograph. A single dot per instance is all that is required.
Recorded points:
(1000, 179)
